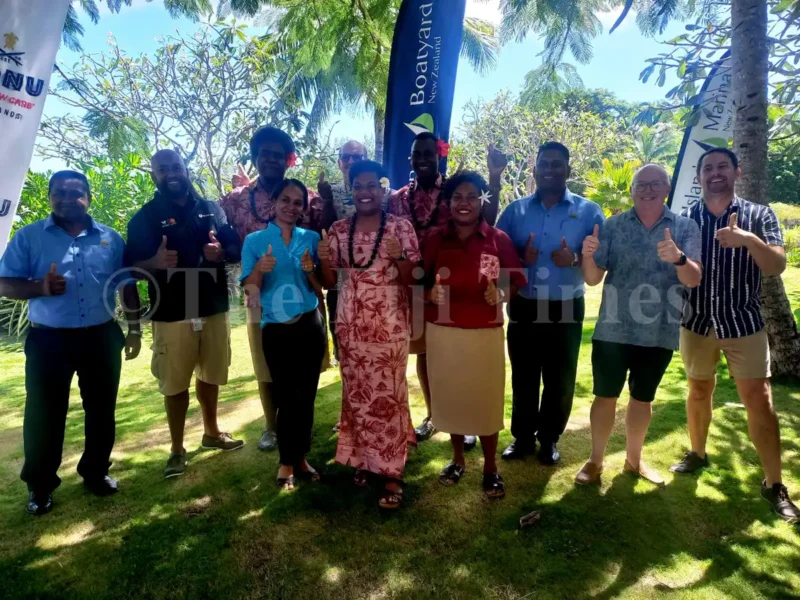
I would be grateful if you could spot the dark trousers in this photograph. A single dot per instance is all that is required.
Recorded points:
(544, 339)
(294, 353)
(333, 304)
(52, 357)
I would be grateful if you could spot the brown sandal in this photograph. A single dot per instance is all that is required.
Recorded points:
(391, 499)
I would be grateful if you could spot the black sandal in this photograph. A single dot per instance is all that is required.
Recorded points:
(309, 474)
(493, 486)
(391, 499)
(451, 474)
(286, 483)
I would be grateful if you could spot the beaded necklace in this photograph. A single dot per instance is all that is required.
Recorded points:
(375, 249)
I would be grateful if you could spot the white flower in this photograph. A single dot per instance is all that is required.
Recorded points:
(485, 197)
(385, 183)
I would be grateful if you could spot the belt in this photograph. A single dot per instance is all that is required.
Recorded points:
(40, 326)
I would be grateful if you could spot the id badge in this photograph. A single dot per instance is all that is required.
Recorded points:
(197, 324)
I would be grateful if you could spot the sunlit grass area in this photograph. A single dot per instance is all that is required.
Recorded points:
(224, 530)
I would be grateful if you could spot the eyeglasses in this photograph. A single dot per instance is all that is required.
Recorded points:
(69, 194)
(655, 186)
(348, 157)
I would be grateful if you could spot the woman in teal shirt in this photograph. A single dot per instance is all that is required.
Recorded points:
(278, 266)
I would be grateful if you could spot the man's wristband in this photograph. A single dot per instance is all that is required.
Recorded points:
(136, 332)
(682, 260)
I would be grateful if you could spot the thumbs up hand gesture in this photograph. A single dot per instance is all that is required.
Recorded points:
(492, 294)
(324, 188)
(563, 257)
(213, 251)
(732, 236)
(267, 262)
(53, 284)
(437, 292)
(165, 259)
(393, 248)
(667, 250)
(306, 262)
(530, 255)
(324, 248)
(591, 243)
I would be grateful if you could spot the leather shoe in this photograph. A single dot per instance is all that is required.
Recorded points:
(517, 450)
(589, 474)
(104, 486)
(548, 454)
(39, 504)
(645, 472)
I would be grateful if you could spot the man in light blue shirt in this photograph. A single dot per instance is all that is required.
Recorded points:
(546, 317)
(69, 267)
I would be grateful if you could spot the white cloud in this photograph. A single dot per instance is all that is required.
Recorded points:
(488, 10)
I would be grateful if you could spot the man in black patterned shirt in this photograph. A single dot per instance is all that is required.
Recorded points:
(740, 241)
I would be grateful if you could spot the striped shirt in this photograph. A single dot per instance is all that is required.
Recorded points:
(727, 298)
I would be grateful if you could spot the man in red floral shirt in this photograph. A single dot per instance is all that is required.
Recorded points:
(422, 203)
(249, 208)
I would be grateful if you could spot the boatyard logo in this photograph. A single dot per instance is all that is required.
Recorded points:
(12, 79)
(421, 124)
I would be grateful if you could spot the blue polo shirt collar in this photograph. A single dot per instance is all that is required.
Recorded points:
(567, 197)
(50, 223)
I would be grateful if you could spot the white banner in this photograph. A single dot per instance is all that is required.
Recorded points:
(30, 32)
(714, 128)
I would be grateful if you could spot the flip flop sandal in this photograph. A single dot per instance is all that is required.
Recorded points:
(309, 474)
(391, 500)
(451, 474)
(360, 478)
(493, 486)
(286, 483)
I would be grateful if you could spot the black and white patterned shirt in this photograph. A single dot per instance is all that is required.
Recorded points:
(727, 298)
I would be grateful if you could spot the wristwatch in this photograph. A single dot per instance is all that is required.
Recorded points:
(682, 260)
(575, 259)
(136, 332)
(502, 293)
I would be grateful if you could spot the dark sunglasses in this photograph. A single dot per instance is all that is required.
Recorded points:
(351, 157)
(69, 194)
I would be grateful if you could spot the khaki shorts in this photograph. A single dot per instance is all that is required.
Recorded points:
(255, 336)
(178, 351)
(748, 357)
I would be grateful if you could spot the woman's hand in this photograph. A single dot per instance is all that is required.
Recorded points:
(306, 262)
(393, 248)
(492, 295)
(267, 262)
(324, 248)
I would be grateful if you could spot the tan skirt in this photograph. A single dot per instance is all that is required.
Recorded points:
(467, 372)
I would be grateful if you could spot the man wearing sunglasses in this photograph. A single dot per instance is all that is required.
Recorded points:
(69, 268)
(648, 256)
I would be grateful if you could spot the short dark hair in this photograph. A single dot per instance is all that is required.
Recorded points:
(556, 146)
(69, 174)
(461, 177)
(727, 152)
(367, 166)
(291, 182)
(425, 135)
(268, 134)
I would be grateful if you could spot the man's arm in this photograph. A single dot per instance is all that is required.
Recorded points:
(770, 259)
(132, 308)
(593, 244)
(592, 274)
(768, 253)
(21, 289)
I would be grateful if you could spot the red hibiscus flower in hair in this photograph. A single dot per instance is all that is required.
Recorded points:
(291, 159)
(443, 148)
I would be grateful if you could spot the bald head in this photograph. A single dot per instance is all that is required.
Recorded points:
(169, 174)
(351, 152)
(650, 185)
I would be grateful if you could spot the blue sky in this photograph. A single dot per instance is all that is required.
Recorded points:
(618, 59)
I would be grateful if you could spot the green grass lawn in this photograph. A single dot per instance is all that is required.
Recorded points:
(224, 530)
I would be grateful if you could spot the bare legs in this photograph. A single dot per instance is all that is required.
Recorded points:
(265, 393)
(488, 445)
(637, 422)
(698, 412)
(177, 405)
(422, 375)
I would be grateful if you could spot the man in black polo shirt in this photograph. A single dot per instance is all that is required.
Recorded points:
(183, 242)
(741, 240)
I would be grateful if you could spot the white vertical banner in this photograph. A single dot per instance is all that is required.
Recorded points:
(714, 120)
(30, 33)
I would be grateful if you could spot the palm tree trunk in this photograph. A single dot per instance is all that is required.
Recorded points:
(750, 56)
(380, 124)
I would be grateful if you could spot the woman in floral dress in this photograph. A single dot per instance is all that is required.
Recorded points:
(377, 253)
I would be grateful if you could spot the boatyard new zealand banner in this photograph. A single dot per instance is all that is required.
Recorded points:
(422, 79)
(30, 31)
(715, 118)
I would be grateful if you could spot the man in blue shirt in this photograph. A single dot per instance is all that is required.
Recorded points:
(546, 317)
(69, 267)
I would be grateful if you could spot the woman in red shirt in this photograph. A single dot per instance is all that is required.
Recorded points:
(471, 269)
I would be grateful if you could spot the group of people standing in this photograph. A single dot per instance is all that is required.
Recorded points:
(420, 270)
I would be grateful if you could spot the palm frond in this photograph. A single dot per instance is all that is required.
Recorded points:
(480, 45)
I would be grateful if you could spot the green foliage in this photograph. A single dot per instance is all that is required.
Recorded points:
(783, 169)
(610, 186)
(786, 212)
(519, 131)
(546, 86)
(791, 243)
(659, 144)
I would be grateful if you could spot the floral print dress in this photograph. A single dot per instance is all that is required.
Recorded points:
(373, 331)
